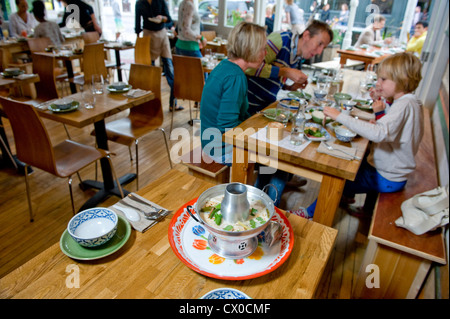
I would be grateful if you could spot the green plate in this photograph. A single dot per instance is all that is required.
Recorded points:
(363, 105)
(271, 114)
(113, 90)
(56, 109)
(74, 250)
(295, 94)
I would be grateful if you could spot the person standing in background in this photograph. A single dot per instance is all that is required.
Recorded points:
(21, 23)
(87, 19)
(190, 41)
(151, 16)
(117, 17)
(325, 14)
(343, 15)
(294, 17)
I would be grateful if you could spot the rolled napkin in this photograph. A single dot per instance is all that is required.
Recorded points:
(363, 115)
(142, 224)
(351, 152)
(134, 93)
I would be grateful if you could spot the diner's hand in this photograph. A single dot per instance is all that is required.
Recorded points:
(294, 74)
(375, 93)
(378, 106)
(331, 112)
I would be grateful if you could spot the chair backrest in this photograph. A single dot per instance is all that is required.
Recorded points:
(33, 144)
(142, 51)
(44, 65)
(39, 44)
(189, 78)
(209, 35)
(90, 37)
(94, 61)
(147, 77)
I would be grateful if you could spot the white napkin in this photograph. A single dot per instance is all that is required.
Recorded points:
(284, 142)
(143, 224)
(350, 150)
(134, 93)
(25, 76)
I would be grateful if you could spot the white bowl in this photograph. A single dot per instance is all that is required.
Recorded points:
(344, 134)
(63, 104)
(93, 227)
(119, 85)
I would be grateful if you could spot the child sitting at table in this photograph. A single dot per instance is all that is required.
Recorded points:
(395, 136)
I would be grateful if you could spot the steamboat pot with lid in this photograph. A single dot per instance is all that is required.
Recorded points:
(234, 207)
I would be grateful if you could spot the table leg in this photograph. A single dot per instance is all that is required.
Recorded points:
(241, 169)
(70, 76)
(118, 64)
(108, 187)
(330, 194)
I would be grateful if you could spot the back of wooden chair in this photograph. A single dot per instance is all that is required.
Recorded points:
(44, 65)
(188, 78)
(147, 77)
(33, 144)
(142, 51)
(94, 61)
(209, 35)
(90, 37)
(39, 44)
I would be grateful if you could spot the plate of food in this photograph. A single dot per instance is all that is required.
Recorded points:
(315, 132)
(364, 105)
(272, 114)
(296, 94)
(291, 103)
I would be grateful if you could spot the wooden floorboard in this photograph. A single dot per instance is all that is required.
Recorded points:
(21, 240)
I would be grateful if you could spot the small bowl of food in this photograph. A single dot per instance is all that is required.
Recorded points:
(63, 104)
(317, 116)
(341, 96)
(293, 104)
(93, 227)
(344, 134)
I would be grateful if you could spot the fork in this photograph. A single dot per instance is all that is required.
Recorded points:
(331, 148)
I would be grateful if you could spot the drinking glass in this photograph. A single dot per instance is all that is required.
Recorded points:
(97, 84)
(363, 88)
(88, 95)
(321, 90)
(283, 113)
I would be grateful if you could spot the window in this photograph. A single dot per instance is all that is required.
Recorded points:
(239, 10)
(208, 11)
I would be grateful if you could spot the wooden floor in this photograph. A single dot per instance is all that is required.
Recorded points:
(20, 240)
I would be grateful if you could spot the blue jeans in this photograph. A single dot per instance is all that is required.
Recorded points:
(196, 54)
(368, 181)
(278, 179)
(168, 71)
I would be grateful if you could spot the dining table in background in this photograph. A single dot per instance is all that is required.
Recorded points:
(117, 47)
(67, 59)
(364, 55)
(106, 104)
(146, 267)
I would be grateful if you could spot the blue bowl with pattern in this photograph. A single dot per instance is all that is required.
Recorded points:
(93, 227)
(225, 293)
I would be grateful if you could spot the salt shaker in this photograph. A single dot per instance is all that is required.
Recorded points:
(298, 125)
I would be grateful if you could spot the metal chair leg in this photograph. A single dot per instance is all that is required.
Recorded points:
(137, 164)
(30, 207)
(71, 194)
(167, 146)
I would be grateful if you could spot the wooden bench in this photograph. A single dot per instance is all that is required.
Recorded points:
(403, 259)
(202, 166)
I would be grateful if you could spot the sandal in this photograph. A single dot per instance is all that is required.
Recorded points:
(177, 108)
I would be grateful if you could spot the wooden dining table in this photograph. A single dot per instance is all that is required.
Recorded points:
(106, 104)
(117, 47)
(146, 267)
(363, 55)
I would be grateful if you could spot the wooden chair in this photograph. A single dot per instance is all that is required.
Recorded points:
(34, 147)
(93, 63)
(141, 52)
(189, 80)
(90, 37)
(209, 35)
(144, 118)
(39, 44)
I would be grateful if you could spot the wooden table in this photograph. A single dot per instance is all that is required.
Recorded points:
(146, 266)
(106, 105)
(117, 49)
(330, 171)
(361, 55)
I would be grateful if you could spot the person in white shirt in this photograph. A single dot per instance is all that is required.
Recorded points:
(371, 35)
(21, 23)
(46, 29)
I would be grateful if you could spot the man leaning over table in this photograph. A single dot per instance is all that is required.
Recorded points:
(285, 52)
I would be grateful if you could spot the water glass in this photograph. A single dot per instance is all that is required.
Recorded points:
(297, 132)
(88, 96)
(283, 113)
(97, 84)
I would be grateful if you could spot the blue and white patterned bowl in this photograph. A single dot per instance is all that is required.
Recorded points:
(225, 293)
(344, 134)
(93, 227)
